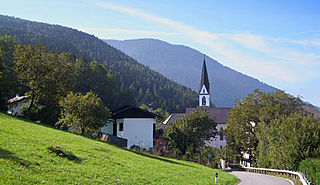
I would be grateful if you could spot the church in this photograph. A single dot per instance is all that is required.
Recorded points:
(218, 114)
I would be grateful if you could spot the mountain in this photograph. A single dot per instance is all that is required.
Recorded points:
(146, 85)
(183, 65)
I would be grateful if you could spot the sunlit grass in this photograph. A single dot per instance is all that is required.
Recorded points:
(26, 158)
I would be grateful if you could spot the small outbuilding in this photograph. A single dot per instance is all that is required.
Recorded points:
(134, 124)
(15, 104)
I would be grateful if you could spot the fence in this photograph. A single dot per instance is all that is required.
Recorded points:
(295, 175)
(120, 142)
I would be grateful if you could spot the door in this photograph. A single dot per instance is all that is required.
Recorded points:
(115, 129)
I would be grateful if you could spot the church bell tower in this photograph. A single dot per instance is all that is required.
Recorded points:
(204, 91)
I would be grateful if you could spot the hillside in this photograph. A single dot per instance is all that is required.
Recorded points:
(183, 65)
(147, 85)
(26, 159)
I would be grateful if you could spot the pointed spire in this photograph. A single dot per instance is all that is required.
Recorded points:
(204, 76)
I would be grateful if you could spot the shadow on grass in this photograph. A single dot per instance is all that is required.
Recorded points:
(159, 158)
(5, 154)
(61, 152)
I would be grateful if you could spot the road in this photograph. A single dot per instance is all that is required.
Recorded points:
(259, 179)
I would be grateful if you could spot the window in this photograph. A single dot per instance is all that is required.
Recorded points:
(120, 126)
(204, 101)
(221, 133)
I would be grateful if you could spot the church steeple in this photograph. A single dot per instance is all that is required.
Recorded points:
(204, 90)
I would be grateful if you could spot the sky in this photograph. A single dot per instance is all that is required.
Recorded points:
(277, 42)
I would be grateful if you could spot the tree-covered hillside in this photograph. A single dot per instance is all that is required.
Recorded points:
(183, 65)
(148, 86)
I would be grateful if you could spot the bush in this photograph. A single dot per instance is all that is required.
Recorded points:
(312, 168)
(32, 115)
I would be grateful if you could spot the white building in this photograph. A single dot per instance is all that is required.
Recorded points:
(15, 104)
(134, 124)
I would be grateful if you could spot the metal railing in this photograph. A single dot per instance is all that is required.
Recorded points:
(303, 179)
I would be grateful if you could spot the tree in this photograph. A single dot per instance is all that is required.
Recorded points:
(86, 113)
(249, 112)
(144, 107)
(291, 139)
(162, 113)
(7, 76)
(49, 77)
(31, 69)
(188, 134)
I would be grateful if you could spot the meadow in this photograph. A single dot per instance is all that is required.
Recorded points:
(32, 153)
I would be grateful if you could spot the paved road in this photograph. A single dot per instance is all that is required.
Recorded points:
(259, 179)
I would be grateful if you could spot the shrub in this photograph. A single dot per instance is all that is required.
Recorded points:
(312, 168)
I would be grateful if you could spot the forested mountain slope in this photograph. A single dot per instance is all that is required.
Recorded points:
(183, 65)
(148, 86)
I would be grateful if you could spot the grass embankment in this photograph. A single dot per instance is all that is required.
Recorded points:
(28, 155)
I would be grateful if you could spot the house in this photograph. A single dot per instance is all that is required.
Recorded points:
(134, 124)
(15, 104)
(218, 114)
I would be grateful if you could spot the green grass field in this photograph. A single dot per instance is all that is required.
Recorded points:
(26, 159)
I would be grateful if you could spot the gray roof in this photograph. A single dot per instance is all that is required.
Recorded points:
(173, 117)
(220, 115)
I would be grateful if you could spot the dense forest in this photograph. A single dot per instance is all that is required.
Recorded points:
(147, 86)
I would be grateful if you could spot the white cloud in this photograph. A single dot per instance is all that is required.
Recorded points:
(104, 32)
(282, 63)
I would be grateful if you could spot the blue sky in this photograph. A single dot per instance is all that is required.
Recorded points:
(277, 42)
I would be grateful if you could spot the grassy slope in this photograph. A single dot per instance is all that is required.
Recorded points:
(25, 159)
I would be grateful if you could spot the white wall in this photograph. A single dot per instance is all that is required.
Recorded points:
(138, 131)
(219, 142)
(107, 129)
(15, 108)
(204, 93)
(216, 140)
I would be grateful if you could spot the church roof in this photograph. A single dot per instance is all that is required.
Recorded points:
(173, 117)
(204, 77)
(220, 115)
